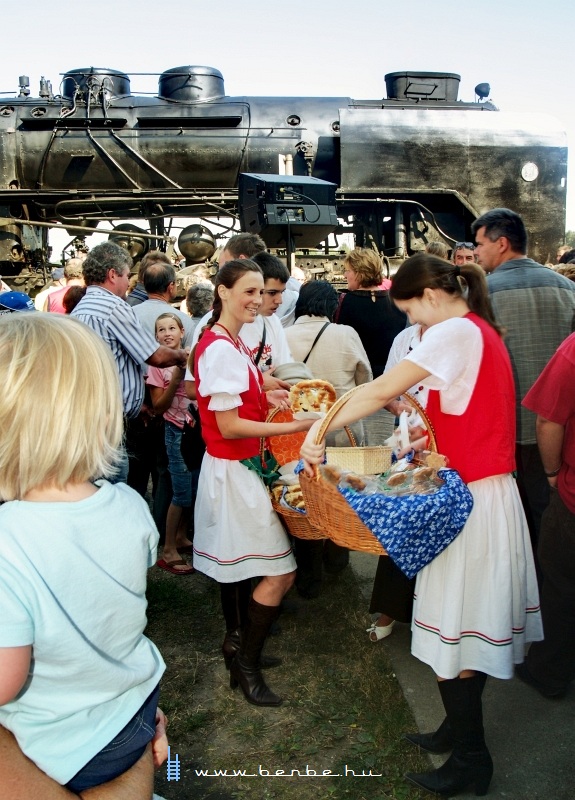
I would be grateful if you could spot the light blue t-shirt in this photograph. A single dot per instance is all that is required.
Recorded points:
(72, 584)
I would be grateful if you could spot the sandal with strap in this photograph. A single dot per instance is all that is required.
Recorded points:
(377, 632)
(170, 566)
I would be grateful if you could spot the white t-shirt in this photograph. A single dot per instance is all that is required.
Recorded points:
(276, 349)
(73, 585)
(405, 341)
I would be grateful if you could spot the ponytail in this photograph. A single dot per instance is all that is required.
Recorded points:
(424, 271)
(477, 295)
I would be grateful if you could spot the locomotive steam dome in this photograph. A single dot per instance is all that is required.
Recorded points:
(112, 82)
(191, 84)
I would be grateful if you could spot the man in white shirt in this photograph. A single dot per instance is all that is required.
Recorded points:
(273, 344)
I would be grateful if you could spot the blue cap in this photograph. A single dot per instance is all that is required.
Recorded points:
(15, 301)
(57, 273)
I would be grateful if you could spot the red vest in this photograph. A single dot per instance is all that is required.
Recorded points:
(481, 441)
(254, 407)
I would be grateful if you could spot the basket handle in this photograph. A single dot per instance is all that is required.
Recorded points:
(343, 400)
(274, 411)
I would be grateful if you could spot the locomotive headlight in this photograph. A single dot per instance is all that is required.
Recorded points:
(529, 171)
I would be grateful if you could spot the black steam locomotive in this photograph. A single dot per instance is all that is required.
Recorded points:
(416, 166)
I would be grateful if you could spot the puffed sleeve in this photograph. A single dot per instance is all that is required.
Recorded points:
(224, 375)
(451, 351)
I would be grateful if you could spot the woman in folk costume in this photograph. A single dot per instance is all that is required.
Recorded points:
(476, 604)
(238, 536)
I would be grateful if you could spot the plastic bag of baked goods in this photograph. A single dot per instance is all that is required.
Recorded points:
(415, 520)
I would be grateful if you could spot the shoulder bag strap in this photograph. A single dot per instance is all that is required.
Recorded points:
(262, 343)
(321, 330)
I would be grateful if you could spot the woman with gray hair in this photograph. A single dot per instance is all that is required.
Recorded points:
(199, 300)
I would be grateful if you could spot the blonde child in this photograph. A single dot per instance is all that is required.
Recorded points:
(78, 679)
(169, 398)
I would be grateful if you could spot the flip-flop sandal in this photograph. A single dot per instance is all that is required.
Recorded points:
(170, 566)
(378, 632)
(187, 549)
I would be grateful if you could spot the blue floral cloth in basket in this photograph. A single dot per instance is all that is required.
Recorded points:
(414, 529)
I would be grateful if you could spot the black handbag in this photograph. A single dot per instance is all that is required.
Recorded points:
(192, 446)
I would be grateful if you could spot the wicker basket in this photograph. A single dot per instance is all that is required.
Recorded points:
(297, 524)
(326, 505)
(285, 448)
(363, 460)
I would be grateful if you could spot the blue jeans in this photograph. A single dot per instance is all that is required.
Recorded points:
(120, 474)
(180, 474)
(122, 752)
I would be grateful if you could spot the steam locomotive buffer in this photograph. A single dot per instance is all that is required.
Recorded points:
(417, 166)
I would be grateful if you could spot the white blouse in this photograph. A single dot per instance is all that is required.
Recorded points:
(224, 375)
(451, 351)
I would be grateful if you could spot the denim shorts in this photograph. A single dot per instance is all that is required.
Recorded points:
(180, 474)
(122, 752)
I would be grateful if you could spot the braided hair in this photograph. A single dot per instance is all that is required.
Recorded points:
(227, 276)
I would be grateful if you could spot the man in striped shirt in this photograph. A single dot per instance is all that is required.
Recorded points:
(104, 309)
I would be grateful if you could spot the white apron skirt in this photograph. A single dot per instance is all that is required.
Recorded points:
(477, 604)
(237, 534)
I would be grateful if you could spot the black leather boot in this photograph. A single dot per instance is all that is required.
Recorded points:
(245, 667)
(470, 763)
(232, 644)
(441, 741)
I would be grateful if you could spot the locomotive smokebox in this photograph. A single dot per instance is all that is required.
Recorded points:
(284, 207)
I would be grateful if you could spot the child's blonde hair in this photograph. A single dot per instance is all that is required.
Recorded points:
(61, 409)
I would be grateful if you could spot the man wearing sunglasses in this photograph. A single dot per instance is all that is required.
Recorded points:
(462, 253)
(536, 306)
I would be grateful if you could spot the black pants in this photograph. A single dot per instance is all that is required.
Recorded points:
(552, 661)
(533, 487)
(147, 459)
(392, 591)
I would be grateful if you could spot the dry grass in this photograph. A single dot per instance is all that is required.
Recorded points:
(342, 704)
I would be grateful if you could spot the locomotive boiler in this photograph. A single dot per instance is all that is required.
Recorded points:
(415, 166)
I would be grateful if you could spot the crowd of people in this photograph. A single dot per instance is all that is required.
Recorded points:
(480, 333)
